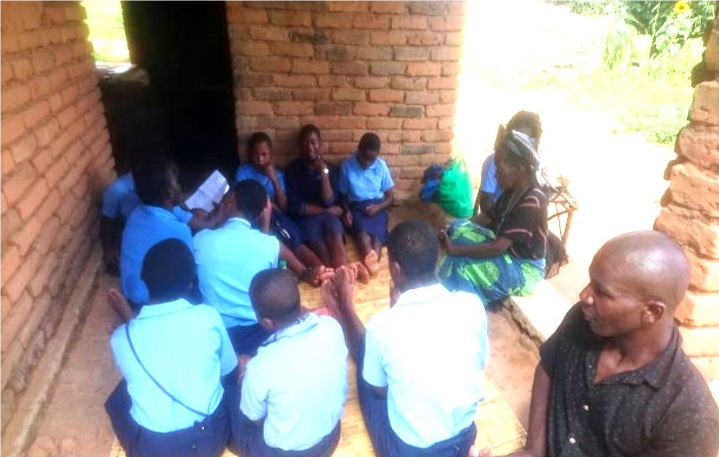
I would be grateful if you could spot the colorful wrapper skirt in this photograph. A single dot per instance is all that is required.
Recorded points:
(491, 278)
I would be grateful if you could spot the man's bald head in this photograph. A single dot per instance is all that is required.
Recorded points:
(274, 295)
(655, 264)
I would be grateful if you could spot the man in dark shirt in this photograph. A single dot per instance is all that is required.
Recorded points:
(613, 380)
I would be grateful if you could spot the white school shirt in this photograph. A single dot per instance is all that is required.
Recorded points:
(186, 348)
(297, 383)
(429, 350)
(227, 259)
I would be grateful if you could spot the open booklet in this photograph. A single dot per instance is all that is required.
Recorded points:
(209, 193)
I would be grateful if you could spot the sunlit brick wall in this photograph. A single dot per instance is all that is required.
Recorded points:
(55, 160)
(350, 67)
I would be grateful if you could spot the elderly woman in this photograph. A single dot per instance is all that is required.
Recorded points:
(502, 253)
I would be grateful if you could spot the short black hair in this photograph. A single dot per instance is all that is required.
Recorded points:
(526, 122)
(369, 142)
(250, 198)
(307, 130)
(152, 179)
(168, 270)
(415, 247)
(275, 295)
(256, 139)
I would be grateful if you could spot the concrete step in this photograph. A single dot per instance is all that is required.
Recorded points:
(539, 314)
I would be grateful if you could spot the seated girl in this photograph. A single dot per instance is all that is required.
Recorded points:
(502, 253)
(170, 405)
(301, 260)
(366, 188)
(313, 201)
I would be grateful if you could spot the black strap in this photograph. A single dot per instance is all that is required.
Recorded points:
(175, 399)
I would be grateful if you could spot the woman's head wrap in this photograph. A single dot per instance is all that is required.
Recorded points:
(520, 148)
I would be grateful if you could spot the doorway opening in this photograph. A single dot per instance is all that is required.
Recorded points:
(177, 97)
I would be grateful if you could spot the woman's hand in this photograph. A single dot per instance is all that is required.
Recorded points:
(371, 209)
(270, 171)
(335, 210)
(319, 164)
(445, 242)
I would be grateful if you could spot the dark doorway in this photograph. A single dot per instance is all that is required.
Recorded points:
(184, 47)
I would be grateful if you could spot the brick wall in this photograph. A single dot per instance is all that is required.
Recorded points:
(55, 160)
(691, 215)
(350, 67)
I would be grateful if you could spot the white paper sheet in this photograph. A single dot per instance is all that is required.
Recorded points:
(209, 193)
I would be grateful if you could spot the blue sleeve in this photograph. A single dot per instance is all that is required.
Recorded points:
(241, 174)
(489, 176)
(344, 184)
(372, 370)
(182, 215)
(112, 201)
(186, 237)
(253, 399)
(281, 180)
(228, 358)
(387, 182)
(294, 199)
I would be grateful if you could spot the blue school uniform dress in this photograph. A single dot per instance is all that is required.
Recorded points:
(429, 351)
(297, 383)
(120, 199)
(304, 186)
(227, 259)
(282, 226)
(146, 226)
(363, 187)
(187, 351)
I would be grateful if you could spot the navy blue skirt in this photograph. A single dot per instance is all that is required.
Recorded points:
(286, 230)
(207, 438)
(374, 225)
(319, 226)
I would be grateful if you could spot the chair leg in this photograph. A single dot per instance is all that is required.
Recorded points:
(567, 226)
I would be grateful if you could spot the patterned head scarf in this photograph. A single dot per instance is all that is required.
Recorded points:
(522, 148)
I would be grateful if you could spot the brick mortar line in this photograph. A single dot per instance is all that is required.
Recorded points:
(20, 430)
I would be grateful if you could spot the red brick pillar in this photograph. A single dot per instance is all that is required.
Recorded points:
(691, 215)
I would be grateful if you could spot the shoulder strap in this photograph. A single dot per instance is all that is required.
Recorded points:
(175, 399)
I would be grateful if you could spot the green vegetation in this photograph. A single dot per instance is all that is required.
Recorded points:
(650, 51)
(107, 31)
(652, 98)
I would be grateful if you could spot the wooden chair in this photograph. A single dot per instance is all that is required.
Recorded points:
(561, 203)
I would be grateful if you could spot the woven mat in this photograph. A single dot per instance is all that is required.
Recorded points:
(497, 425)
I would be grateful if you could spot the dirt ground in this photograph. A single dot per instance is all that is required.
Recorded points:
(617, 180)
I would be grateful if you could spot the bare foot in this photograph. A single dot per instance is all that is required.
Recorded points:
(360, 272)
(121, 306)
(343, 285)
(372, 263)
(326, 274)
(329, 296)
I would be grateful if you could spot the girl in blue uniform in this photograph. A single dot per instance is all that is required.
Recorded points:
(305, 264)
(173, 357)
(367, 191)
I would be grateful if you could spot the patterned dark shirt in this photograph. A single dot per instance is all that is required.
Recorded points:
(524, 221)
(304, 185)
(663, 409)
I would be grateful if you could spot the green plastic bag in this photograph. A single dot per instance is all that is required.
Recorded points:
(455, 190)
